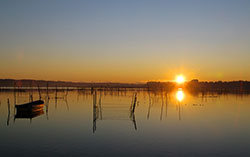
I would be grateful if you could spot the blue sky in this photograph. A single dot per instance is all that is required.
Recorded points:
(127, 41)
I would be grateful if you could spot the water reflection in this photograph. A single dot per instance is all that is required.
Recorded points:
(107, 111)
(164, 98)
(29, 114)
(224, 119)
(103, 111)
(180, 95)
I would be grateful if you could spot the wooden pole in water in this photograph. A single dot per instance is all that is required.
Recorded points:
(31, 92)
(131, 106)
(67, 91)
(14, 93)
(162, 101)
(31, 98)
(47, 90)
(8, 119)
(149, 104)
(100, 105)
(8, 105)
(56, 93)
(134, 121)
(94, 112)
(39, 92)
(47, 109)
(133, 109)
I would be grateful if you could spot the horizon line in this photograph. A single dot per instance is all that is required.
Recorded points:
(141, 82)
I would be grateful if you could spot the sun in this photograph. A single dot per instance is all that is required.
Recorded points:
(180, 79)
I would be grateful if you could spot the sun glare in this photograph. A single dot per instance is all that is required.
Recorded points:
(180, 79)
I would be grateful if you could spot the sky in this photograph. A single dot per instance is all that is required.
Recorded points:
(125, 40)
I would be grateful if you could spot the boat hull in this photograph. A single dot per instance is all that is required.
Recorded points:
(32, 105)
(30, 108)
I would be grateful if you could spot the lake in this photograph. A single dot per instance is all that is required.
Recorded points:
(103, 123)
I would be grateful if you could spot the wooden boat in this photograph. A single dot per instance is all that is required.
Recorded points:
(30, 110)
(31, 106)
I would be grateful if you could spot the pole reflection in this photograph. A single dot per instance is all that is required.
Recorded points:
(109, 111)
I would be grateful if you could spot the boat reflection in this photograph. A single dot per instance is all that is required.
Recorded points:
(29, 110)
(29, 114)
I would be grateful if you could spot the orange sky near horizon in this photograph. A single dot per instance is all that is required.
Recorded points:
(118, 74)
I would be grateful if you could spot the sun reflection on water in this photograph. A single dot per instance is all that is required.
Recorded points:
(180, 95)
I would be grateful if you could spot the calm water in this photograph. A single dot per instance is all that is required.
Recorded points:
(174, 124)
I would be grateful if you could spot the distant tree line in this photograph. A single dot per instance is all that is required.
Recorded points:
(196, 86)
(219, 86)
(44, 83)
(192, 86)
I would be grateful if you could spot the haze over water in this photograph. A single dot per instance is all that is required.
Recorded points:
(163, 124)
